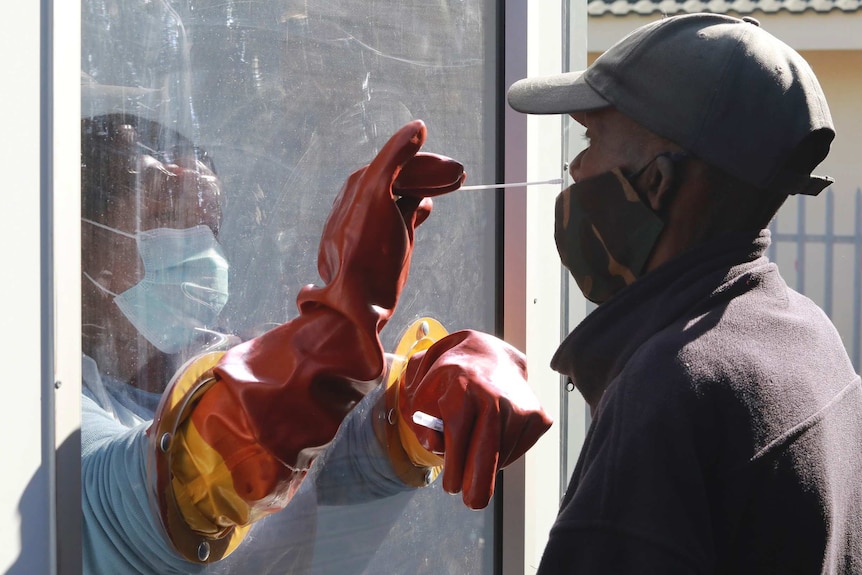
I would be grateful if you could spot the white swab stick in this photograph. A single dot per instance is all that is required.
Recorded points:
(429, 421)
(512, 185)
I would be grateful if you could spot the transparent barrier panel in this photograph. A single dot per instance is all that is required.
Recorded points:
(238, 122)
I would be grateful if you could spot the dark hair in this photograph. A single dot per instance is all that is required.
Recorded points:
(110, 148)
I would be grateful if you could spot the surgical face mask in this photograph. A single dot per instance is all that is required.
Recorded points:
(184, 288)
(604, 233)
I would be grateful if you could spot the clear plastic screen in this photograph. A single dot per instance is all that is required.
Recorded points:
(275, 103)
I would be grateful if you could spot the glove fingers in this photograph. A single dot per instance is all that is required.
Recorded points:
(534, 426)
(414, 210)
(457, 430)
(481, 467)
(428, 175)
(403, 145)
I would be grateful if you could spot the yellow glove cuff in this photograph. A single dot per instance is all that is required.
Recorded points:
(414, 464)
(193, 489)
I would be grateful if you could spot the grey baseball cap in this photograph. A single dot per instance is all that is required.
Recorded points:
(723, 88)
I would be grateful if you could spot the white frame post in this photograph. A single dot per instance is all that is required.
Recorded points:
(26, 529)
(66, 269)
(532, 296)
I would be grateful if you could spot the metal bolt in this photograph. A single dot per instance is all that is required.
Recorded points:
(429, 476)
(424, 328)
(57, 384)
(203, 551)
(165, 442)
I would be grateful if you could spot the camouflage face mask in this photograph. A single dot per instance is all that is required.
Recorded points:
(604, 233)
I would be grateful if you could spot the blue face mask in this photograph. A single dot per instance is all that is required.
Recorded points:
(184, 289)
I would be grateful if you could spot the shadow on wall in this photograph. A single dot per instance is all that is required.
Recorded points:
(35, 554)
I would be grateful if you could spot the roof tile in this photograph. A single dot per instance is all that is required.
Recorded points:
(647, 7)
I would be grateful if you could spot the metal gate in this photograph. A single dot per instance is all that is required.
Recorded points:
(841, 299)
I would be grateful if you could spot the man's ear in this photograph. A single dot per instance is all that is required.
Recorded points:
(660, 181)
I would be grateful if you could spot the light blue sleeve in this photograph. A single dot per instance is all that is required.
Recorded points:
(356, 468)
(339, 517)
(353, 476)
(120, 532)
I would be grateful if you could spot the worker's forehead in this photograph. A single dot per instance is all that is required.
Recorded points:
(172, 196)
(148, 176)
(161, 195)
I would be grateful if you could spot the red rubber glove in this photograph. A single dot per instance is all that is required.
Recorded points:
(274, 402)
(295, 384)
(477, 384)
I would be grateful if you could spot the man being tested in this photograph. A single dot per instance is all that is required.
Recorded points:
(727, 418)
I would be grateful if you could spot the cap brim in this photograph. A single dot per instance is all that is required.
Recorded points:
(558, 94)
